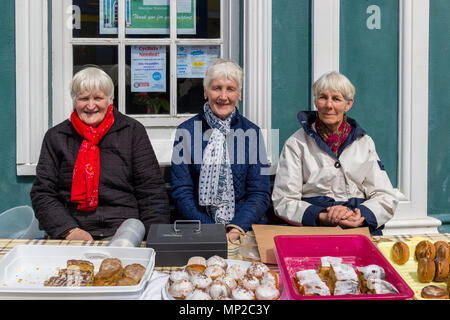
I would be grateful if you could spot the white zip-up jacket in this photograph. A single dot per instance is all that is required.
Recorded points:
(310, 178)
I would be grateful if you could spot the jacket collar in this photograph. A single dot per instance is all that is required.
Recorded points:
(307, 118)
(119, 123)
(234, 120)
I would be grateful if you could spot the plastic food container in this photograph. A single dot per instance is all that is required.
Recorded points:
(24, 269)
(294, 253)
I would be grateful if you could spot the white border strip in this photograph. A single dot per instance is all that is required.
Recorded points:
(31, 82)
(257, 49)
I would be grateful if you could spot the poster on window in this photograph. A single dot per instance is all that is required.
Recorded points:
(147, 16)
(192, 61)
(148, 69)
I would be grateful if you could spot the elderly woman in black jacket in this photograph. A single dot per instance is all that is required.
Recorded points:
(96, 169)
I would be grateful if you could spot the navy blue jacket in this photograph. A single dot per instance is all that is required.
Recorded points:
(249, 159)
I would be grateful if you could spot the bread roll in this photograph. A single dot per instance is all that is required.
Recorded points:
(425, 249)
(442, 268)
(400, 252)
(425, 270)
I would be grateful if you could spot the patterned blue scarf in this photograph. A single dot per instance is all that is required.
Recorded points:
(216, 190)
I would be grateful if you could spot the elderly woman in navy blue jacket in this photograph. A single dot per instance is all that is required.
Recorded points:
(219, 163)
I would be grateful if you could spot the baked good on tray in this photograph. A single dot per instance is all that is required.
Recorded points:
(180, 289)
(442, 250)
(434, 292)
(325, 265)
(425, 270)
(79, 273)
(196, 265)
(132, 275)
(425, 249)
(308, 283)
(109, 272)
(267, 292)
(400, 252)
(222, 280)
(372, 271)
(82, 265)
(332, 277)
(441, 270)
(342, 272)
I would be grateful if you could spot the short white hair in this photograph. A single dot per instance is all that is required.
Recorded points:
(334, 81)
(89, 80)
(224, 68)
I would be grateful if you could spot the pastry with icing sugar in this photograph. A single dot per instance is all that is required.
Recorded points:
(240, 293)
(341, 272)
(372, 271)
(308, 283)
(346, 287)
(217, 261)
(198, 294)
(214, 271)
(267, 292)
(249, 282)
(379, 286)
(178, 275)
(325, 265)
(218, 289)
(271, 277)
(180, 289)
(257, 269)
(200, 280)
(235, 271)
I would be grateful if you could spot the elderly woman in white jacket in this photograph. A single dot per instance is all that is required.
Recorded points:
(329, 172)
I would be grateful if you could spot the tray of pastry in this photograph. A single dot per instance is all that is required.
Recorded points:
(422, 263)
(75, 272)
(217, 278)
(340, 267)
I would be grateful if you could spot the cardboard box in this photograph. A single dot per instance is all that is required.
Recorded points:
(265, 233)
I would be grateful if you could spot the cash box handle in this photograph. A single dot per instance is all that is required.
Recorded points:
(187, 221)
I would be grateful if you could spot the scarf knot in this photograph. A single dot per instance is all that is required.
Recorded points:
(333, 139)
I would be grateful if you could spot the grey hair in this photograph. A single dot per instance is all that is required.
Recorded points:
(91, 79)
(334, 81)
(224, 68)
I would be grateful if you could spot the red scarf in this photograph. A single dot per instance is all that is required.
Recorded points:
(86, 172)
(333, 139)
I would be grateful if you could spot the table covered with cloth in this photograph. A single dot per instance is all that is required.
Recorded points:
(161, 274)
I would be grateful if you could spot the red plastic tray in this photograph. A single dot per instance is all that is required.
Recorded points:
(295, 253)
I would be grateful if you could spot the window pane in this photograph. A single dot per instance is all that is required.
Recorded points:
(192, 62)
(198, 18)
(148, 79)
(147, 18)
(95, 18)
(104, 57)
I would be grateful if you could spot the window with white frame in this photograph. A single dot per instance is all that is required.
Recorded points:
(156, 52)
(71, 28)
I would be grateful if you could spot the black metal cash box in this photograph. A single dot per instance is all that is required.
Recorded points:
(175, 243)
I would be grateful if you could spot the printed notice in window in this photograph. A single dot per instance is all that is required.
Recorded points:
(148, 16)
(148, 69)
(192, 61)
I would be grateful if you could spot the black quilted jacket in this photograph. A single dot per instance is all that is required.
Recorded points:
(130, 186)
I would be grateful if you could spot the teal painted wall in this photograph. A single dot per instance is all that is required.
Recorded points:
(14, 190)
(439, 114)
(291, 64)
(369, 58)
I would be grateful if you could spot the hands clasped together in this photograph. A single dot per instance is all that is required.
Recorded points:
(341, 216)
